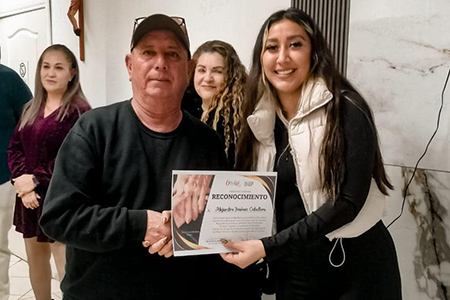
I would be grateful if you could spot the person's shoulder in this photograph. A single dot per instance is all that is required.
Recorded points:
(8, 74)
(354, 98)
(355, 103)
(192, 103)
(6, 70)
(10, 79)
(199, 130)
(104, 112)
(101, 117)
(80, 105)
(202, 136)
(14, 91)
(196, 125)
(356, 112)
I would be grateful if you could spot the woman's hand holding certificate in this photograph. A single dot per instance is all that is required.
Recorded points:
(248, 252)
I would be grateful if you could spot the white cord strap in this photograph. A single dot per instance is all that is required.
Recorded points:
(331, 253)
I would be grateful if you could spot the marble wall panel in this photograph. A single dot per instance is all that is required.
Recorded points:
(422, 233)
(399, 56)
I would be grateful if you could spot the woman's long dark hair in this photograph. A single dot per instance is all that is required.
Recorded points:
(322, 65)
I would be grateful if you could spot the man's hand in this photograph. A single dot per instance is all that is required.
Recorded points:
(164, 247)
(30, 200)
(158, 233)
(247, 253)
(24, 184)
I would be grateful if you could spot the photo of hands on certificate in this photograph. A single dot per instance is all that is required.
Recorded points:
(211, 207)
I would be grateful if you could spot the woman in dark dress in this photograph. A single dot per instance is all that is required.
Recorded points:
(307, 122)
(57, 104)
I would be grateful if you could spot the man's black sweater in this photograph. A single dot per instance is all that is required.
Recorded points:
(109, 171)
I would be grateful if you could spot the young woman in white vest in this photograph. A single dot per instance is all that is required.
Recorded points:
(307, 122)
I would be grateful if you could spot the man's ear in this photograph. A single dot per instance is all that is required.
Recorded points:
(191, 69)
(129, 65)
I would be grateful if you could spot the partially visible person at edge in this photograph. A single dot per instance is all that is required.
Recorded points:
(308, 123)
(14, 93)
(110, 198)
(57, 104)
(217, 91)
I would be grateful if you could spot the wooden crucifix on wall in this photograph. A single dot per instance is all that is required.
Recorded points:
(76, 6)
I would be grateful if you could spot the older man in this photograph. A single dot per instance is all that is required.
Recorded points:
(111, 187)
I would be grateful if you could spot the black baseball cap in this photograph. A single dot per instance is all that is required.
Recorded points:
(176, 25)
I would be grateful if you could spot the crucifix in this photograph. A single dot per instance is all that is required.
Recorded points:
(76, 6)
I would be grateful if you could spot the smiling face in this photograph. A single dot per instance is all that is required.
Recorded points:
(158, 68)
(209, 75)
(286, 58)
(56, 72)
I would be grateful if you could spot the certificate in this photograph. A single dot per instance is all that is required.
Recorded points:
(211, 206)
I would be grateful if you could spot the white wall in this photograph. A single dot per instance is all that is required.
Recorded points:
(399, 58)
(364, 10)
(109, 26)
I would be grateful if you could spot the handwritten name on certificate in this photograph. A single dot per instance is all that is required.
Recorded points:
(210, 206)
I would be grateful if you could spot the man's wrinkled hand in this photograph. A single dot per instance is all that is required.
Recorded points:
(158, 236)
(163, 247)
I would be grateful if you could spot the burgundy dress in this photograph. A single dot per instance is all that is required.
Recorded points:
(33, 150)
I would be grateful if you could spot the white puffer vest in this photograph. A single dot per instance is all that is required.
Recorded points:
(306, 132)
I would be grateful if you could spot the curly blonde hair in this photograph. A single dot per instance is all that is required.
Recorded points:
(227, 103)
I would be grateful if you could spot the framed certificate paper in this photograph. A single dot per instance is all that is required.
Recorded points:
(211, 206)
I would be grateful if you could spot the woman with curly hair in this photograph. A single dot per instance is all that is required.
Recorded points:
(219, 78)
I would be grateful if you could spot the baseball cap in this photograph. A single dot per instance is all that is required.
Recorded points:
(177, 25)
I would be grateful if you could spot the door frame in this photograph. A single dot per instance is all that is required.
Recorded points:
(33, 6)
